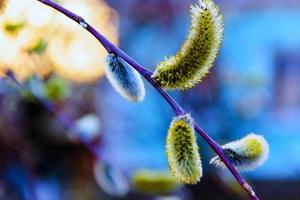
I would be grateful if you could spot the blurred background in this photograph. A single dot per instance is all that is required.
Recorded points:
(65, 134)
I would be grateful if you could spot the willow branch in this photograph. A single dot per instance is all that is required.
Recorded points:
(111, 48)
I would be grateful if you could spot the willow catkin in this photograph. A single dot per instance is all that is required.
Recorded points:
(182, 151)
(124, 78)
(245, 154)
(193, 61)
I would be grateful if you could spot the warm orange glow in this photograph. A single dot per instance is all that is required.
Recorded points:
(66, 48)
(3, 69)
(77, 55)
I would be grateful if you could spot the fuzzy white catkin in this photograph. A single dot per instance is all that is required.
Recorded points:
(245, 154)
(126, 81)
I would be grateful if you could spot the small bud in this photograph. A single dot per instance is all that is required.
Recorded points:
(124, 78)
(245, 154)
(182, 151)
(83, 24)
(193, 61)
(154, 182)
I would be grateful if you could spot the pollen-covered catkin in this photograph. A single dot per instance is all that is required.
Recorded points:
(193, 61)
(124, 78)
(182, 151)
(245, 154)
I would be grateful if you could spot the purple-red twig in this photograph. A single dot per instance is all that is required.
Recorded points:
(111, 48)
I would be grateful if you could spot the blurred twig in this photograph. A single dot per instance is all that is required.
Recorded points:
(63, 120)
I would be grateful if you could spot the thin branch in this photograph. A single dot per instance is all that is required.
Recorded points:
(111, 48)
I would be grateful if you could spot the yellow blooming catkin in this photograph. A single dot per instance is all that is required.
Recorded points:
(182, 151)
(193, 61)
(245, 154)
